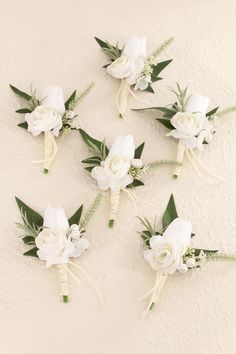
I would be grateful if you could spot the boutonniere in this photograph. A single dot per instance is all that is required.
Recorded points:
(48, 113)
(118, 168)
(56, 239)
(168, 250)
(191, 123)
(132, 65)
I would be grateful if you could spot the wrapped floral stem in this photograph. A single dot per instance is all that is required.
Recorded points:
(181, 148)
(118, 168)
(168, 250)
(55, 239)
(191, 124)
(63, 279)
(49, 114)
(115, 201)
(122, 98)
(135, 69)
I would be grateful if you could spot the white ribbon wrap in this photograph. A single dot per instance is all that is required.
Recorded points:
(181, 148)
(115, 201)
(50, 151)
(122, 98)
(64, 286)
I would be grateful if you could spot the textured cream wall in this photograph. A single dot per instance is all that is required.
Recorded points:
(51, 42)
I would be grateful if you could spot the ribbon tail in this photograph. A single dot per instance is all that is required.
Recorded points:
(91, 281)
(159, 283)
(115, 202)
(122, 98)
(181, 149)
(64, 286)
(205, 169)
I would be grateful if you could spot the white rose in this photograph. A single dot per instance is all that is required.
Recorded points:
(52, 97)
(113, 172)
(166, 253)
(53, 246)
(44, 119)
(197, 103)
(187, 125)
(121, 68)
(131, 63)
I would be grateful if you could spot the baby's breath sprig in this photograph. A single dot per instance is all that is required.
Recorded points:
(217, 256)
(223, 113)
(80, 96)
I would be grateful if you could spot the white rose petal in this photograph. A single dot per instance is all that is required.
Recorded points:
(121, 68)
(113, 172)
(44, 119)
(55, 218)
(167, 251)
(53, 246)
(52, 97)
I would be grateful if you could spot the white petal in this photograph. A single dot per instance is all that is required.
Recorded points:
(155, 241)
(197, 103)
(123, 145)
(180, 232)
(52, 97)
(135, 47)
(102, 180)
(55, 218)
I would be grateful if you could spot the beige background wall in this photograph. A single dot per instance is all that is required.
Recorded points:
(49, 42)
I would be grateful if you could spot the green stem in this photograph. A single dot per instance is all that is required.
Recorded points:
(111, 223)
(65, 299)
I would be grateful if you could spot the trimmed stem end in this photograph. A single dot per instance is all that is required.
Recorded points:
(45, 171)
(65, 299)
(151, 307)
(175, 176)
(111, 223)
(121, 115)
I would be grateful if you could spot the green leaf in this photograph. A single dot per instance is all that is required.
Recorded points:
(89, 168)
(24, 110)
(91, 142)
(32, 252)
(135, 183)
(34, 219)
(198, 250)
(101, 43)
(92, 160)
(29, 240)
(157, 69)
(165, 122)
(21, 93)
(23, 125)
(139, 151)
(170, 213)
(70, 99)
(149, 89)
(165, 110)
(75, 219)
(213, 111)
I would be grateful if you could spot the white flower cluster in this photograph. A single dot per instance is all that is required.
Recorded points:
(58, 241)
(50, 113)
(114, 171)
(132, 65)
(192, 127)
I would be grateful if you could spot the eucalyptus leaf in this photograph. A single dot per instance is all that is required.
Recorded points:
(170, 213)
(94, 144)
(157, 69)
(92, 160)
(75, 219)
(213, 111)
(149, 89)
(89, 168)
